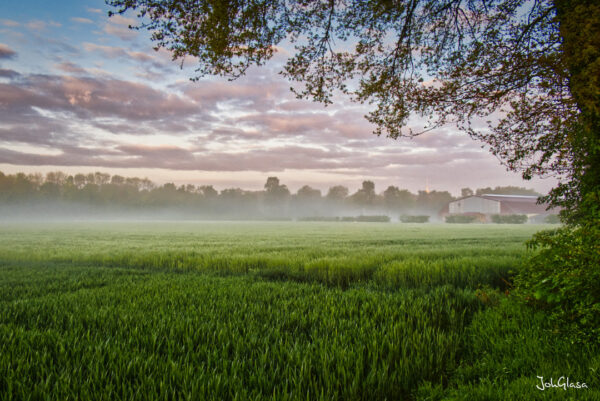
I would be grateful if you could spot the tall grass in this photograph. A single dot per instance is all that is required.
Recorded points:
(164, 336)
(340, 255)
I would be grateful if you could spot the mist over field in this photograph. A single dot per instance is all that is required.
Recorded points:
(61, 197)
(57, 211)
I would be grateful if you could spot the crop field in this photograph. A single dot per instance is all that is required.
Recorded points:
(274, 311)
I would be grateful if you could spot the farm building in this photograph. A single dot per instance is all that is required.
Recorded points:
(490, 204)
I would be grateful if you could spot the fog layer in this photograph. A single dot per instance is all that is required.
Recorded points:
(99, 196)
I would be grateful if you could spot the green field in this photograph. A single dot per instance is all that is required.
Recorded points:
(279, 311)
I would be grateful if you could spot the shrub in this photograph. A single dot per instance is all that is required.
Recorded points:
(503, 345)
(375, 218)
(461, 218)
(563, 278)
(509, 218)
(414, 219)
(318, 218)
(372, 219)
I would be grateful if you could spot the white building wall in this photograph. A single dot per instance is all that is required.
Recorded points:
(474, 204)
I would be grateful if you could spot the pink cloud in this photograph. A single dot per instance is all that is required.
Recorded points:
(71, 68)
(89, 97)
(258, 95)
(6, 52)
(119, 26)
(38, 25)
(9, 23)
(82, 20)
(152, 59)
(6, 73)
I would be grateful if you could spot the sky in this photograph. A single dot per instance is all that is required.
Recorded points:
(80, 92)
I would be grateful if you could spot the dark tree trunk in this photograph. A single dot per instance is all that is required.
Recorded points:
(580, 31)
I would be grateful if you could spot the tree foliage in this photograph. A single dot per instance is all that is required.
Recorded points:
(365, 196)
(398, 199)
(519, 75)
(571, 293)
(337, 193)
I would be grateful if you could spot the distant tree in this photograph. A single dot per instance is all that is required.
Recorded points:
(133, 182)
(35, 179)
(116, 192)
(238, 203)
(169, 187)
(464, 192)
(398, 200)
(274, 190)
(101, 178)
(307, 202)
(365, 197)
(337, 193)
(69, 189)
(50, 190)
(208, 192)
(487, 190)
(117, 180)
(165, 195)
(272, 184)
(146, 185)
(276, 196)
(90, 193)
(368, 187)
(17, 187)
(507, 190)
(90, 178)
(308, 193)
(433, 201)
(232, 193)
(52, 187)
(79, 181)
(56, 177)
(390, 197)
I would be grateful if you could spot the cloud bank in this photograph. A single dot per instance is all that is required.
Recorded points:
(108, 101)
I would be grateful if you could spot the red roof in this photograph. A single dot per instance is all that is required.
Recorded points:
(518, 204)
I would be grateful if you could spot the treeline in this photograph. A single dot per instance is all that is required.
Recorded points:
(102, 192)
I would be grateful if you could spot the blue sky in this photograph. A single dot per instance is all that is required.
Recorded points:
(80, 92)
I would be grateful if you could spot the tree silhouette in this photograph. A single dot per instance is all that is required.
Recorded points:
(337, 193)
(365, 196)
(398, 200)
(464, 192)
(276, 196)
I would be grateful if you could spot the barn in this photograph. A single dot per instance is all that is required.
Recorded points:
(490, 204)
